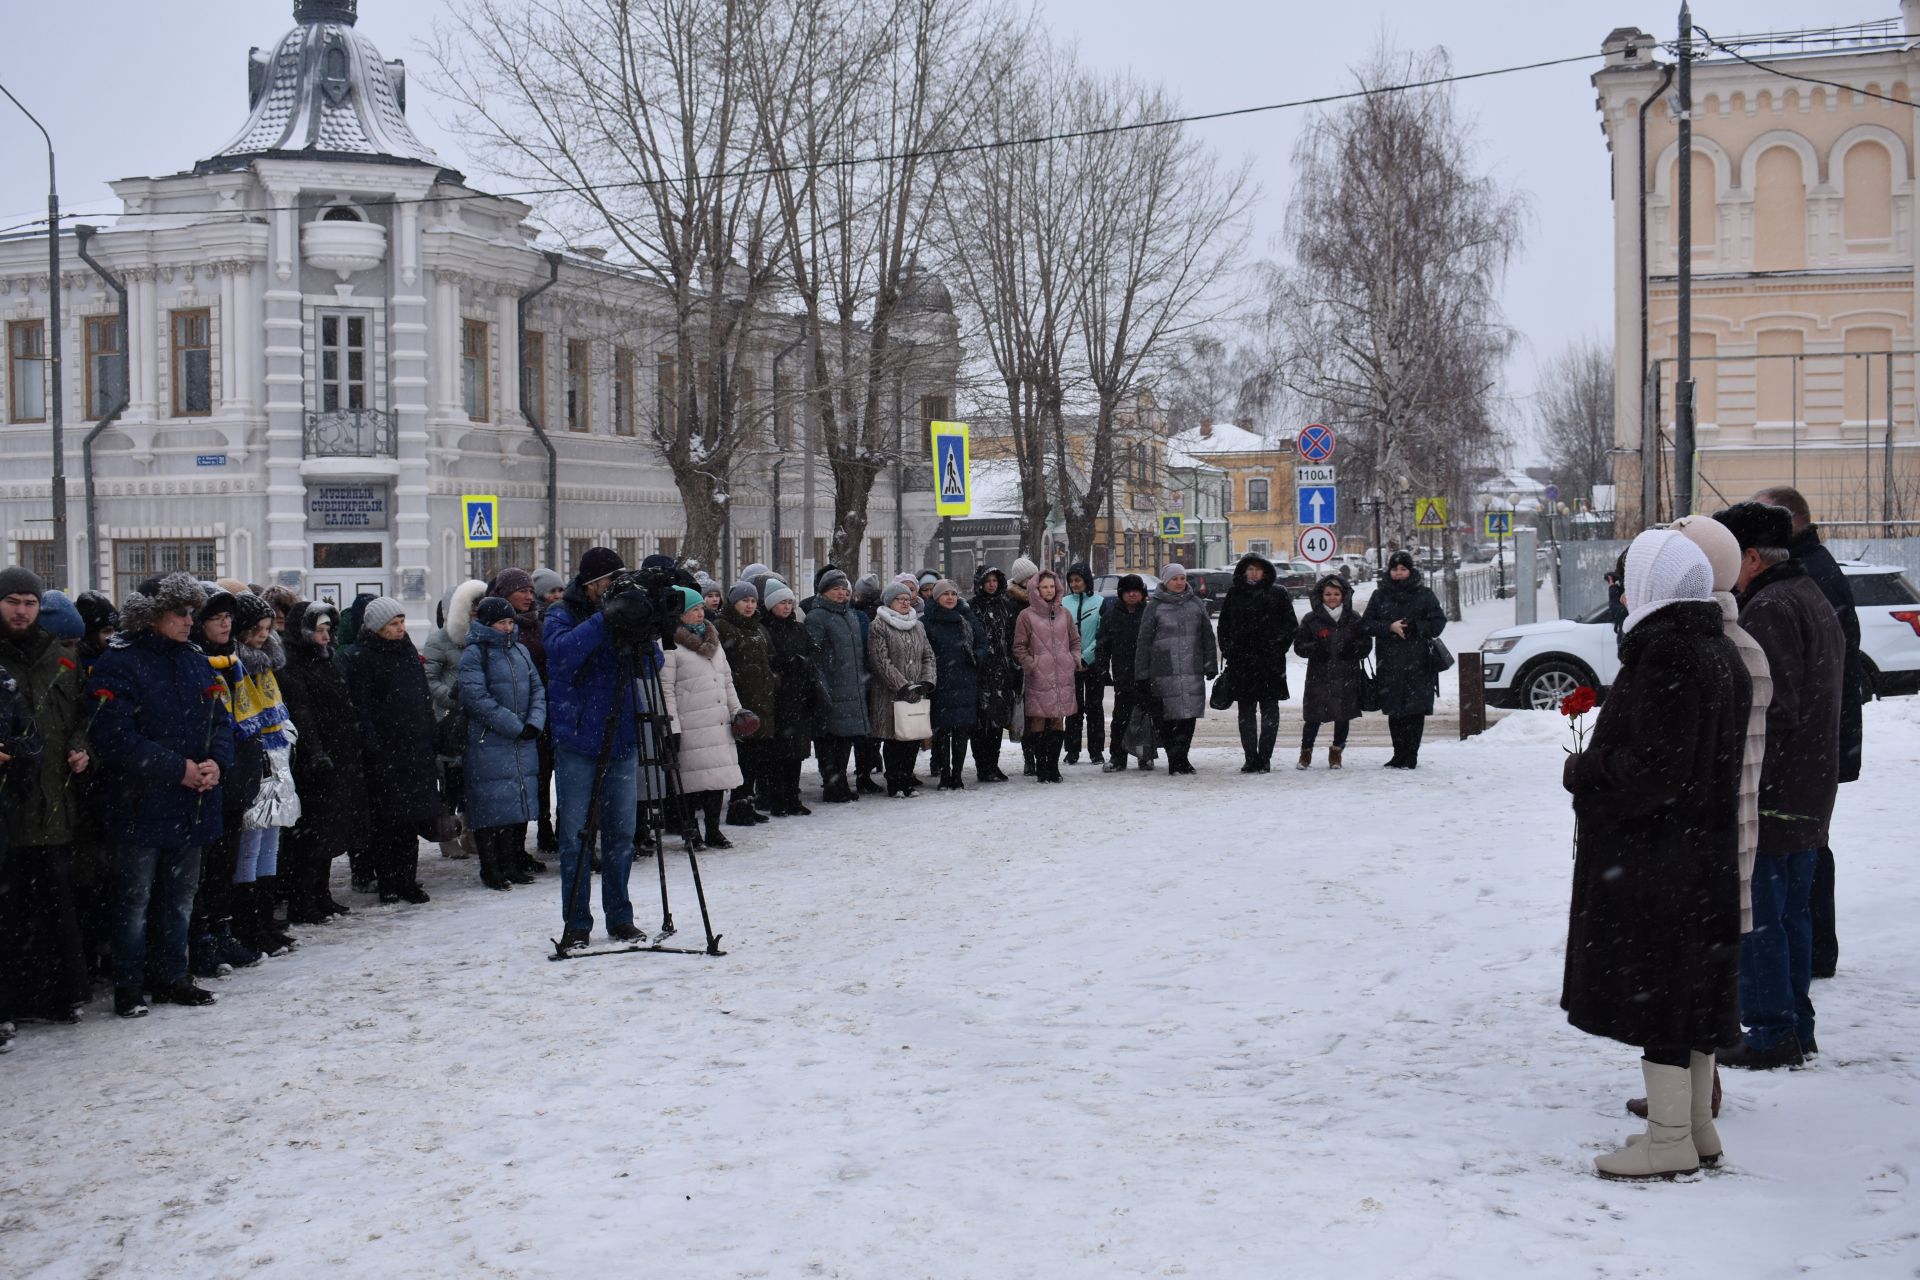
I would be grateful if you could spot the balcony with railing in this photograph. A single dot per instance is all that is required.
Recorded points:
(350, 433)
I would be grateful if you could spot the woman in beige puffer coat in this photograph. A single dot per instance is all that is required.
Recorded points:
(701, 701)
(900, 661)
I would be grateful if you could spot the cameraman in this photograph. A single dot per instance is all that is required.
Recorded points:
(599, 639)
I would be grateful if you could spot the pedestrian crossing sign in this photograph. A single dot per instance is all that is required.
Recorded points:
(1498, 524)
(952, 469)
(1430, 513)
(1173, 526)
(480, 515)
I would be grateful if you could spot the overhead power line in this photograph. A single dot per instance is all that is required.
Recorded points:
(967, 148)
(1790, 75)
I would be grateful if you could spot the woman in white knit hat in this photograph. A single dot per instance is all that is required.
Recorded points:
(1653, 939)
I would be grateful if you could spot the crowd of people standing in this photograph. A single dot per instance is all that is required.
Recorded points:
(184, 769)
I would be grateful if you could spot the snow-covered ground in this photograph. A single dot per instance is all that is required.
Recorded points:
(1294, 1025)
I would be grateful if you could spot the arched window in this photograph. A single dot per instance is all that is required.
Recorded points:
(1706, 217)
(1868, 172)
(1779, 211)
(340, 213)
(1865, 380)
(1775, 381)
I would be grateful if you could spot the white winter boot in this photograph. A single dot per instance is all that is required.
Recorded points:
(1666, 1149)
(1706, 1140)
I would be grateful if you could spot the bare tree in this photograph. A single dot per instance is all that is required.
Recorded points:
(1390, 309)
(895, 84)
(636, 111)
(1573, 417)
(1011, 229)
(1162, 230)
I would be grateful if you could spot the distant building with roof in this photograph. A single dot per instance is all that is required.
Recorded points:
(1259, 484)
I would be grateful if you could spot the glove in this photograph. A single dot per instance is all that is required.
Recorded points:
(528, 733)
(1213, 672)
(908, 693)
(629, 616)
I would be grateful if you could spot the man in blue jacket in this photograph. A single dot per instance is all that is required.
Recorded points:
(163, 734)
(592, 644)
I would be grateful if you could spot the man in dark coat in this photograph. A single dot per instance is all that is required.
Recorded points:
(1856, 691)
(1653, 934)
(1403, 617)
(389, 685)
(596, 649)
(328, 763)
(1257, 626)
(43, 972)
(839, 636)
(996, 610)
(1114, 653)
(164, 736)
(1782, 608)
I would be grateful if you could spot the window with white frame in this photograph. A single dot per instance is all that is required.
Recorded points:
(473, 368)
(27, 371)
(344, 359)
(105, 383)
(137, 559)
(1256, 495)
(192, 367)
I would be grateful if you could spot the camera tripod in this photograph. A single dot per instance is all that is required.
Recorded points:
(656, 751)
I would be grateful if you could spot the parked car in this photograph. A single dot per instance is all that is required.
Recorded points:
(1536, 665)
(1211, 585)
(1358, 568)
(1299, 575)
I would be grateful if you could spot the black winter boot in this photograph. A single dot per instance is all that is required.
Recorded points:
(716, 839)
(740, 814)
(489, 847)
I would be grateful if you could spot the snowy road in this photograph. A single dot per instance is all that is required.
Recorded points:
(1302, 1025)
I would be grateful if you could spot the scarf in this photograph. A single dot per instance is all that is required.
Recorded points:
(900, 621)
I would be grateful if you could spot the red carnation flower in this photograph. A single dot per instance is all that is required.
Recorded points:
(105, 695)
(1580, 701)
(68, 664)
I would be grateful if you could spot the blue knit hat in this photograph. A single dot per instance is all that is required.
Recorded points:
(59, 618)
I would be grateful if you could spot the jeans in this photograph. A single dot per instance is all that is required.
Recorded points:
(1826, 944)
(1091, 695)
(139, 873)
(259, 855)
(573, 774)
(1776, 959)
(1310, 730)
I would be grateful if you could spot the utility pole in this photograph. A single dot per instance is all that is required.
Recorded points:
(1683, 374)
(56, 416)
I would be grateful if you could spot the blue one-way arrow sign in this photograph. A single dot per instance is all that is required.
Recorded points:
(1317, 505)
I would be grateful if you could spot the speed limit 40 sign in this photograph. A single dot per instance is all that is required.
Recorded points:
(1317, 543)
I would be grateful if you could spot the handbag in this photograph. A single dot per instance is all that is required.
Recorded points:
(1369, 689)
(1222, 696)
(912, 721)
(1438, 657)
(1018, 724)
(1142, 738)
(450, 732)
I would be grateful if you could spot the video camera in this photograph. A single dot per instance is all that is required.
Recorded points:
(640, 604)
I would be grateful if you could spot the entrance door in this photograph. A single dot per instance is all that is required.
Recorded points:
(344, 569)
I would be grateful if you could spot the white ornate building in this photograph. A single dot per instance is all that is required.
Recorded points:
(323, 355)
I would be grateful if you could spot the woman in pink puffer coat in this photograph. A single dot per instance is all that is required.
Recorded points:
(1047, 646)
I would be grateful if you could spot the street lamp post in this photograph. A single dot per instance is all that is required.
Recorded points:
(55, 406)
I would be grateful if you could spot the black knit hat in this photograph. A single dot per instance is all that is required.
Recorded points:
(491, 610)
(97, 611)
(218, 602)
(1758, 525)
(598, 562)
(21, 582)
(1401, 557)
(249, 611)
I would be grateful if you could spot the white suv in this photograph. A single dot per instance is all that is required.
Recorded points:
(1535, 666)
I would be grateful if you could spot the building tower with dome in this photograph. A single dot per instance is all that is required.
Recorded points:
(324, 353)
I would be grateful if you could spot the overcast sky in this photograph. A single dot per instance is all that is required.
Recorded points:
(135, 87)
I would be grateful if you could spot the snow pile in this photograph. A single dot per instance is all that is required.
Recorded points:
(1109, 1028)
(1536, 729)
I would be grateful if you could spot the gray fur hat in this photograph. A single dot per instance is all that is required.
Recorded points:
(175, 591)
